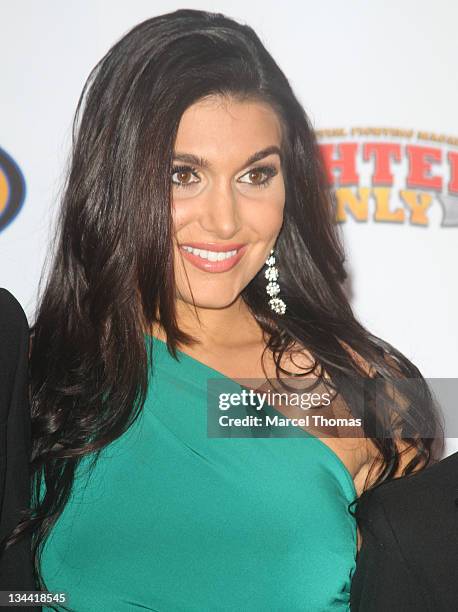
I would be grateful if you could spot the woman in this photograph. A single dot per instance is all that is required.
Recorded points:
(195, 241)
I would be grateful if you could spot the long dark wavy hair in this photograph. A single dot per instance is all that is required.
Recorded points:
(112, 275)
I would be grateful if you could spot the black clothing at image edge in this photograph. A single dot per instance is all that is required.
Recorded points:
(15, 444)
(409, 556)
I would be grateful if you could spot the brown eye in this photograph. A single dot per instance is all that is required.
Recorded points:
(184, 176)
(255, 176)
(260, 177)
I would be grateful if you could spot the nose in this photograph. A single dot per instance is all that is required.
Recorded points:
(220, 214)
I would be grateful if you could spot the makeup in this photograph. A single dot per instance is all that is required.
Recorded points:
(213, 257)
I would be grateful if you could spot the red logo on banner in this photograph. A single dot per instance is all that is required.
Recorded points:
(391, 175)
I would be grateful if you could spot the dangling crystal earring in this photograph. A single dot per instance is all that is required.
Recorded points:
(273, 288)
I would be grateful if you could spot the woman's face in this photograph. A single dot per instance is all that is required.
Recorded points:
(227, 210)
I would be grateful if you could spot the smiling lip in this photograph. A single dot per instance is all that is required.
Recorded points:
(214, 246)
(213, 266)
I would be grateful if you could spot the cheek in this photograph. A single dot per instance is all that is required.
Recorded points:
(265, 215)
(265, 222)
(181, 214)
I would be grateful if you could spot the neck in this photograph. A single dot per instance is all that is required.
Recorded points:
(228, 326)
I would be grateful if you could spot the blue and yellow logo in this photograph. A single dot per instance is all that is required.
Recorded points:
(12, 189)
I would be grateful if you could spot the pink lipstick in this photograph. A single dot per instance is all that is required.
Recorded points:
(211, 256)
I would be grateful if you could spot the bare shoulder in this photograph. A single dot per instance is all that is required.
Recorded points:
(350, 444)
(360, 454)
(301, 357)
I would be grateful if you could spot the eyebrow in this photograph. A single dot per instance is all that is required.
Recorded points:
(195, 160)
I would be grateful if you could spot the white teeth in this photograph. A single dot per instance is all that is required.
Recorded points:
(210, 255)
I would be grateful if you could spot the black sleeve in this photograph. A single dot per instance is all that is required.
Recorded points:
(15, 442)
(383, 580)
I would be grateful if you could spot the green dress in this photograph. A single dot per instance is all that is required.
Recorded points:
(173, 520)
